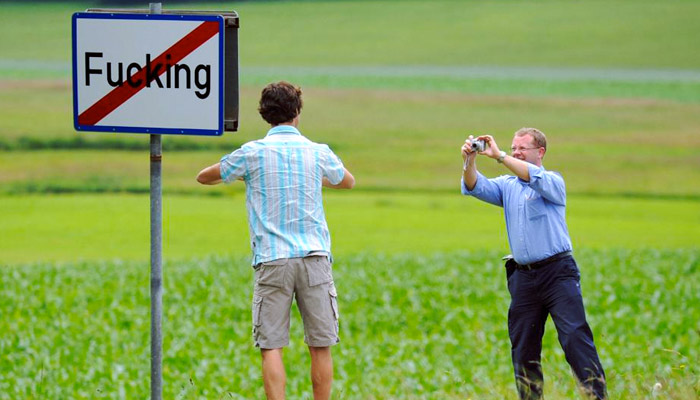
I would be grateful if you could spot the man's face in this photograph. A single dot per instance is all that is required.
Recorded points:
(524, 148)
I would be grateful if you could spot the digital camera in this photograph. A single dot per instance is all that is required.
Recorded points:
(478, 145)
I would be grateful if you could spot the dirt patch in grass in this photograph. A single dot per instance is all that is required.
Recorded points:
(50, 84)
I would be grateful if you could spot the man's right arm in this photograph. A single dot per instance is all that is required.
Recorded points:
(348, 181)
(488, 190)
(231, 167)
(469, 175)
(210, 175)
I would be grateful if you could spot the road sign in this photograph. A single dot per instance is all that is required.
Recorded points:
(148, 73)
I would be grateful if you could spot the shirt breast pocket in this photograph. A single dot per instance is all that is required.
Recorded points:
(535, 207)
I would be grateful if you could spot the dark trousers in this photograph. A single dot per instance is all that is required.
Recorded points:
(535, 294)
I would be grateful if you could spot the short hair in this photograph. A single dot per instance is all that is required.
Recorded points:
(280, 102)
(537, 135)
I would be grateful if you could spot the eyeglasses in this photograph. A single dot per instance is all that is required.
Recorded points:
(521, 149)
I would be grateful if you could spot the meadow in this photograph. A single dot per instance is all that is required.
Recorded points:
(394, 87)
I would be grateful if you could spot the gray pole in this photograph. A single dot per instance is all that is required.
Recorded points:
(156, 259)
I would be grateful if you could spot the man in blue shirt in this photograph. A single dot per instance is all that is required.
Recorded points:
(284, 173)
(543, 277)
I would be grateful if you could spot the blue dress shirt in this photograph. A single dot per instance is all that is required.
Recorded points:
(535, 211)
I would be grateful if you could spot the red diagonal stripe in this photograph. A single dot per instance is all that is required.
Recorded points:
(122, 93)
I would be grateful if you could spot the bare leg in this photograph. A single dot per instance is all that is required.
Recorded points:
(321, 372)
(274, 376)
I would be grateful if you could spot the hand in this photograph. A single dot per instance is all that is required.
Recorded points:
(492, 150)
(467, 148)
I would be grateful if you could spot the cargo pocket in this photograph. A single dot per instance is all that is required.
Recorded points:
(257, 308)
(257, 319)
(271, 273)
(318, 269)
(334, 302)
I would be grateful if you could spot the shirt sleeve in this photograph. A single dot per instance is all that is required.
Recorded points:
(548, 184)
(488, 190)
(331, 166)
(233, 166)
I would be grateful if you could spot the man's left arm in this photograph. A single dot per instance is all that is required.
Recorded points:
(348, 181)
(335, 175)
(518, 167)
(548, 184)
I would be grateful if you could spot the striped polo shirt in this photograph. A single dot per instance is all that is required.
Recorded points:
(283, 175)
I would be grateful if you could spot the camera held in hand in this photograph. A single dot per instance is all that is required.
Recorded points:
(478, 145)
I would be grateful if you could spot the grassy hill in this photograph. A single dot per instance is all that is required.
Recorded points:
(395, 87)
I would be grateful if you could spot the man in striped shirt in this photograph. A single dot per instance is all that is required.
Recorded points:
(284, 173)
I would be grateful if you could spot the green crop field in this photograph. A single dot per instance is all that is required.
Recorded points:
(412, 326)
(394, 87)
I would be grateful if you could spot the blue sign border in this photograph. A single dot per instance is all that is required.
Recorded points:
(150, 130)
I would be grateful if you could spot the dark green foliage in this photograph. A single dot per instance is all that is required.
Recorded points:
(412, 327)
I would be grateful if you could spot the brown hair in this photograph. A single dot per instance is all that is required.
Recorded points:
(280, 102)
(537, 136)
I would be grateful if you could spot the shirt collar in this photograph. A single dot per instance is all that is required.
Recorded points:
(283, 130)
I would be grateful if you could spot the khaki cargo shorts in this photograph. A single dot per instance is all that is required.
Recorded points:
(277, 282)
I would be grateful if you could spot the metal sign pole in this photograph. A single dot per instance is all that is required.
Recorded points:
(156, 258)
(207, 39)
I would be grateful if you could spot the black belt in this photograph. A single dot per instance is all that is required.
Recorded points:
(542, 263)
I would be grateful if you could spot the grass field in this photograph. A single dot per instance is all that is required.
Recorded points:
(99, 227)
(444, 32)
(600, 146)
(393, 87)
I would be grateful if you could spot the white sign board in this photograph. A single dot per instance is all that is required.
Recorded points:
(148, 73)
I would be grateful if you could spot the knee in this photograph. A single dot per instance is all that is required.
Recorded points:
(580, 335)
(578, 342)
(320, 351)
